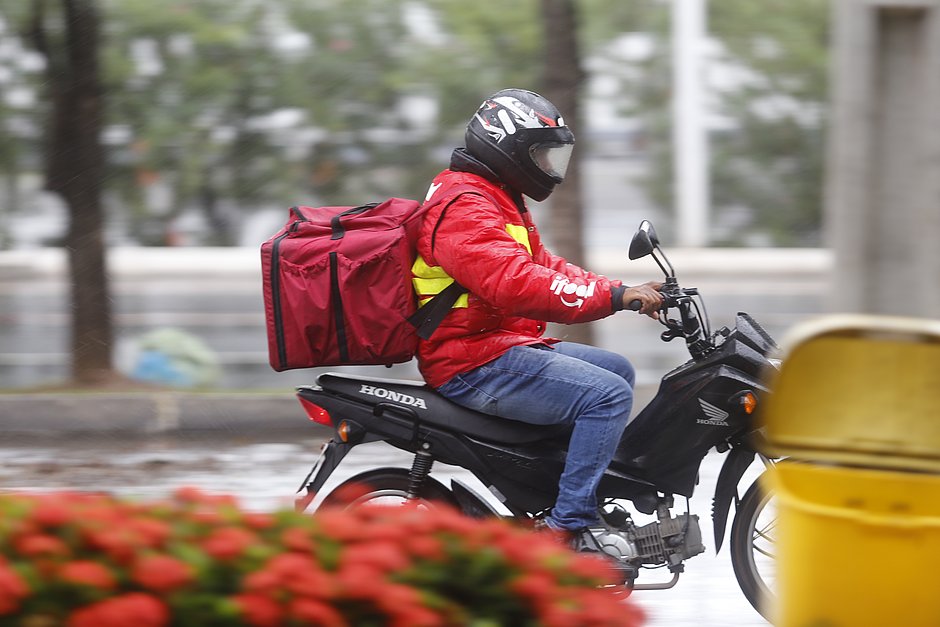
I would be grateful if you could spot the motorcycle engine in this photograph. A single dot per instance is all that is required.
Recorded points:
(670, 540)
(615, 544)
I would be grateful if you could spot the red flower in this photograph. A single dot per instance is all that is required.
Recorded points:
(162, 573)
(264, 582)
(349, 493)
(298, 539)
(357, 581)
(12, 590)
(288, 565)
(258, 521)
(311, 612)
(425, 546)
(403, 605)
(119, 544)
(37, 544)
(136, 608)
(539, 588)
(311, 583)
(384, 556)
(258, 611)
(297, 573)
(50, 512)
(593, 568)
(228, 543)
(151, 532)
(190, 494)
(340, 525)
(417, 617)
(87, 573)
(393, 597)
(208, 517)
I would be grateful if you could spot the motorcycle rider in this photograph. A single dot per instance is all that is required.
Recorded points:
(489, 353)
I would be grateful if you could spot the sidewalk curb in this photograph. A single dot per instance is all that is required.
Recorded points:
(144, 414)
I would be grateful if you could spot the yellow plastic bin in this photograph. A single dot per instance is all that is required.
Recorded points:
(855, 407)
(861, 547)
(858, 390)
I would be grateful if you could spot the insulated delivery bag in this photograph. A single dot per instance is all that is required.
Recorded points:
(337, 287)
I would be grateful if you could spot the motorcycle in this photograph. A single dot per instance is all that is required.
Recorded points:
(707, 402)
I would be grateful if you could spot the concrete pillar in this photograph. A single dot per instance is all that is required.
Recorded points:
(883, 180)
(690, 140)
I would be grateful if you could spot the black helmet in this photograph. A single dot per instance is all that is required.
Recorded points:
(521, 137)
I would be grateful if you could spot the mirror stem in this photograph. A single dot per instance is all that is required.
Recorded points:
(670, 273)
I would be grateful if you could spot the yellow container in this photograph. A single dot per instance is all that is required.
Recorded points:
(860, 390)
(856, 547)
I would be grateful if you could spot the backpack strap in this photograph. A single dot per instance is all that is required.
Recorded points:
(430, 315)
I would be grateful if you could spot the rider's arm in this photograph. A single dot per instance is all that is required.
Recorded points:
(473, 246)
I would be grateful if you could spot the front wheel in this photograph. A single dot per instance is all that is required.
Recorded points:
(753, 547)
(386, 486)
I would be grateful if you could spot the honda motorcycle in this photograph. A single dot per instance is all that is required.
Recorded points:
(707, 402)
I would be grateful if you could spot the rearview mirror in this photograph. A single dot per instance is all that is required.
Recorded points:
(644, 241)
(647, 226)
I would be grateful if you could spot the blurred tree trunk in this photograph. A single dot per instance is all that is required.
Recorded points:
(562, 81)
(66, 32)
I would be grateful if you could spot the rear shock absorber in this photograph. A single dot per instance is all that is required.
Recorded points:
(420, 469)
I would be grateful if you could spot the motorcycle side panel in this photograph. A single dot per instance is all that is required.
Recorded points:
(692, 412)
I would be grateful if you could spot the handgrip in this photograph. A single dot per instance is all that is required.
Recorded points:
(634, 305)
(336, 224)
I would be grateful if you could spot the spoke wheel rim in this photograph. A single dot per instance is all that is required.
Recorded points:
(762, 557)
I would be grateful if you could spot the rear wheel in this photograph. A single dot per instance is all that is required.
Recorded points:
(753, 547)
(386, 486)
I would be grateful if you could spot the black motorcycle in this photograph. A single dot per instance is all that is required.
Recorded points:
(708, 402)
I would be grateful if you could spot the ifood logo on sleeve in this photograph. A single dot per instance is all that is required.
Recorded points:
(571, 294)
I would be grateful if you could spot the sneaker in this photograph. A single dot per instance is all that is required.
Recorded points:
(580, 540)
(584, 541)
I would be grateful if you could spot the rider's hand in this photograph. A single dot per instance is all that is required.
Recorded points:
(648, 294)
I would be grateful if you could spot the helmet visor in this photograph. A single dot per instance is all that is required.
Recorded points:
(552, 158)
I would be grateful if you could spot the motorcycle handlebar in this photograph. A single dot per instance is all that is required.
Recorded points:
(634, 305)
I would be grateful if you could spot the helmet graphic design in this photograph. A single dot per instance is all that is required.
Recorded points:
(521, 137)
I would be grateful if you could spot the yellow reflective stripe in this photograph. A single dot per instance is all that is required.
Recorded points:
(421, 269)
(520, 234)
(429, 281)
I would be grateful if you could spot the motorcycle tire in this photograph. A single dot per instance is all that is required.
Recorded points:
(749, 542)
(382, 485)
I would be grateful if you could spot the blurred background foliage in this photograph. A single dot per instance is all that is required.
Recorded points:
(217, 109)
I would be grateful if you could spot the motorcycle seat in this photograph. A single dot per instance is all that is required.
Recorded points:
(431, 408)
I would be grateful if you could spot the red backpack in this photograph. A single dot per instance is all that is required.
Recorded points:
(337, 287)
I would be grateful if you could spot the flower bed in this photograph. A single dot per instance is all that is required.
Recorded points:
(87, 560)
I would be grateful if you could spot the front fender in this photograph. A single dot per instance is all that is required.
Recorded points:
(726, 489)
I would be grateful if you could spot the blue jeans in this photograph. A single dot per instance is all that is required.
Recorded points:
(565, 383)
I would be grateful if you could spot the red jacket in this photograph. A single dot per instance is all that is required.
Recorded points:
(483, 240)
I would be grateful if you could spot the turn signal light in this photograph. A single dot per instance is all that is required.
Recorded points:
(748, 402)
(316, 413)
(343, 431)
